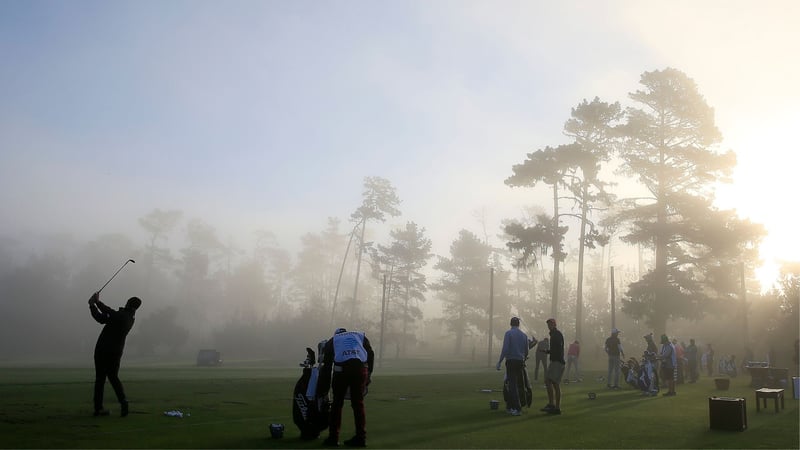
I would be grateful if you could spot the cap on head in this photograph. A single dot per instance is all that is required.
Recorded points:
(134, 303)
(515, 321)
(614, 331)
(551, 321)
(339, 330)
(664, 339)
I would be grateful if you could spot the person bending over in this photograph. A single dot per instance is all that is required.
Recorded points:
(350, 356)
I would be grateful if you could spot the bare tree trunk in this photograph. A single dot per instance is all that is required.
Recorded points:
(554, 308)
(339, 282)
(581, 251)
(358, 271)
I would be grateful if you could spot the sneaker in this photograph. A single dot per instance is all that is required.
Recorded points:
(514, 412)
(669, 394)
(555, 411)
(356, 441)
(101, 412)
(330, 442)
(548, 407)
(608, 386)
(123, 409)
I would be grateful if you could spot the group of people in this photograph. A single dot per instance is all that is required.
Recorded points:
(347, 363)
(677, 362)
(516, 346)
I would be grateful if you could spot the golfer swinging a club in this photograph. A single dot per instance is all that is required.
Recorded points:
(108, 351)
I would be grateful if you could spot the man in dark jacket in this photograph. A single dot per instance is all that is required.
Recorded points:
(109, 347)
(555, 370)
(350, 356)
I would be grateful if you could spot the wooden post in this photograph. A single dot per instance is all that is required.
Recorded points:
(745, 335)
(491, 313)
(383, 320)
(613, 301)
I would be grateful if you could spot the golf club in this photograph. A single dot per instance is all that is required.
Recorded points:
(115, 274)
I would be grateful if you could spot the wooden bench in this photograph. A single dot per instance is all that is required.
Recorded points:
(766, 393)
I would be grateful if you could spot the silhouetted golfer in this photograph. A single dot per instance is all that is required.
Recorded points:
(108, 351)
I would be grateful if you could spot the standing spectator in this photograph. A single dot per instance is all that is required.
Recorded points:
(350, 356)
(515, 352)
(709, 357)
(651, 344)
(541, 357)
(691, 359)
(796, 357)
(555, 370)
(109, 348)
(669, 363)
(679, 355)
(573, 353)
(614, 350)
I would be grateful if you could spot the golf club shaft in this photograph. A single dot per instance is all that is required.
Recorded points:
(115, 274)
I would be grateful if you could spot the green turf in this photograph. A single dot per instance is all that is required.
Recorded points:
(417, 405)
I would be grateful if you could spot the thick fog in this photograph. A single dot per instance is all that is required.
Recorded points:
(268, 166)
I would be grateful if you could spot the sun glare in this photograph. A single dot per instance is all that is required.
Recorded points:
(767, 274)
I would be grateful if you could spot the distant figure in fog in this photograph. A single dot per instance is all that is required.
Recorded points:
(615, 354)
(108, 351)
(709, 357)
(541, 357)
(651, 343)
(669, 364)
(573, 353)
(691, 358)
(679, 354)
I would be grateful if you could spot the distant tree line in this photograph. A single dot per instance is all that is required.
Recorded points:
(257, 302)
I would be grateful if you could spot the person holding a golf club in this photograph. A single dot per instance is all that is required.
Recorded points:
(109, 347)
(515, 351)
(350, 356)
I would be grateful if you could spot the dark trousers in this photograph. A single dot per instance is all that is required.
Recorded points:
(355, 378)
(693, 373)
(514, 375)
(107, 366)
(536, 371)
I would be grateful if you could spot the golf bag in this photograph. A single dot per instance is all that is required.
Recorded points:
(310, 411)
(630, 372)
(647, 376)
(523, 389)
(727, 366)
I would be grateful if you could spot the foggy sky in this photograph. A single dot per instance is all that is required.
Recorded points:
(268, 115)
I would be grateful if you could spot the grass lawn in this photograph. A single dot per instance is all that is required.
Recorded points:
(417, 405)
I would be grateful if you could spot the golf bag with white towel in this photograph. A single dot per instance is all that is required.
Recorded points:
(310, 411)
